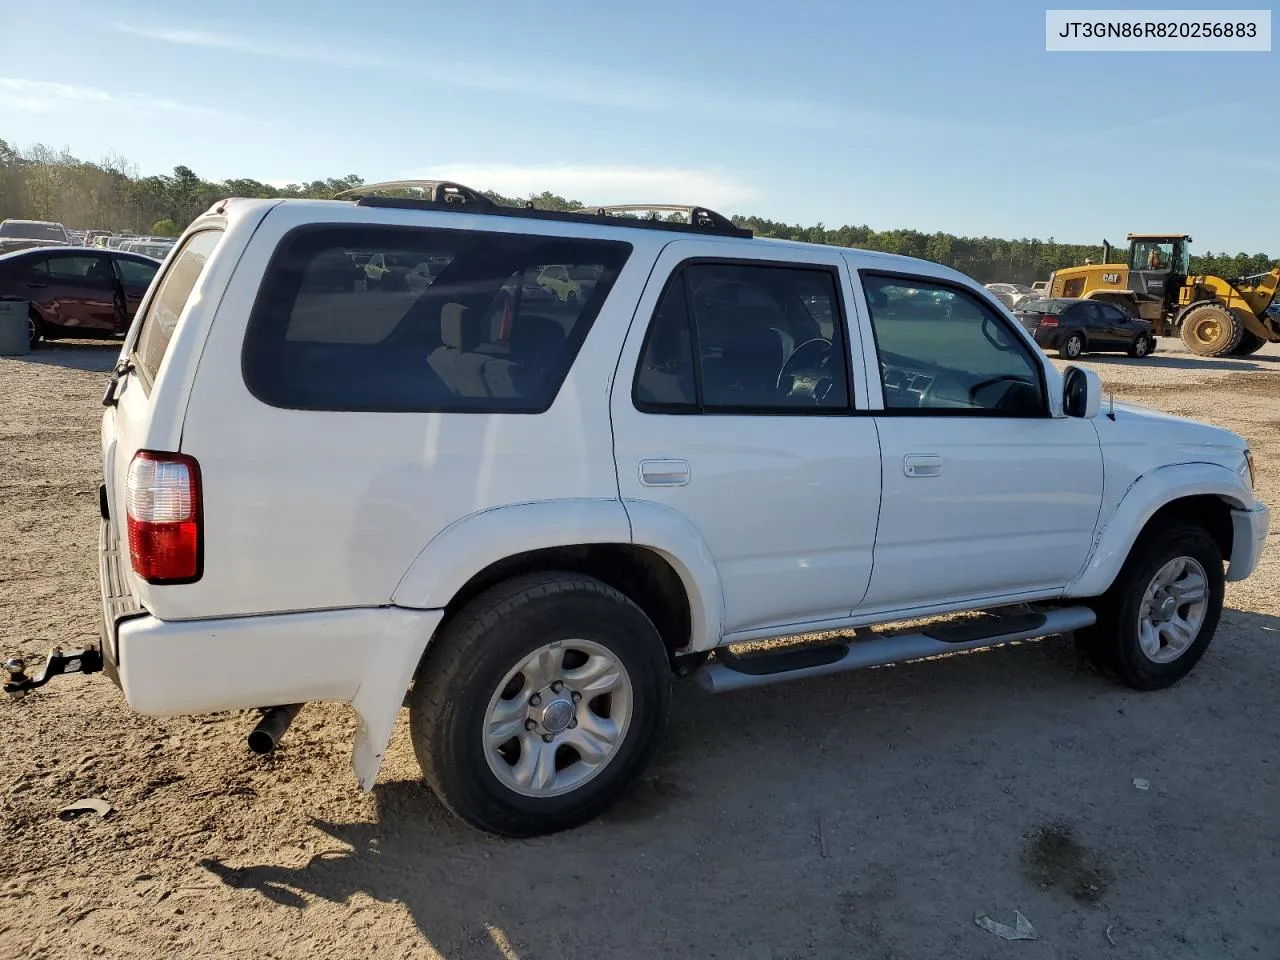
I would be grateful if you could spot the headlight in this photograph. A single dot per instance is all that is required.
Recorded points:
(1253, 470)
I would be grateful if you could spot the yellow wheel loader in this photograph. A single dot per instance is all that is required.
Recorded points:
(1214, 317)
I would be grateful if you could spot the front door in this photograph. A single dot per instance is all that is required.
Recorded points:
(81, 292)
(985, 494)
(733, 407)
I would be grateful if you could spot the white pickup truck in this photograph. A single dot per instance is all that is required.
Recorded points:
(528, 511)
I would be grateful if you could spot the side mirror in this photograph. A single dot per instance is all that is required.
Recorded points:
(1081, 393)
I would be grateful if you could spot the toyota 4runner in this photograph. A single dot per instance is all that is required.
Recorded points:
(524, 512)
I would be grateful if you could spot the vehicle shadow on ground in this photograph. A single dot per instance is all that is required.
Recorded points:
(711, 812)
(93, 356)
(1188, 362)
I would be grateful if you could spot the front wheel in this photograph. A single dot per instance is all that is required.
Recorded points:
(539, 702)
(1141, 346)
(1156, 621)
(35, 329)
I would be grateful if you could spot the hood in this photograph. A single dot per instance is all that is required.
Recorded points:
(1180, 439)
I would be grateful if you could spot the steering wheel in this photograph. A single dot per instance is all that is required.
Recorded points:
(806, 370)
(991, 381)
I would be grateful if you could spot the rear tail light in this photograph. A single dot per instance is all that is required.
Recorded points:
(1048, 321)
(162, 500)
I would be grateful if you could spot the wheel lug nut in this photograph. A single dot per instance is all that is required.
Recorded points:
(576, 696)
(530, 724)
(573, 723)
(535, 700)
(547, 737)
(557, 687)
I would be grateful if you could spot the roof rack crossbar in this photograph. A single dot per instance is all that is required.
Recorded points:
(435, 191)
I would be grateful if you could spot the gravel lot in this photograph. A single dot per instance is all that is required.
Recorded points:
(869, 815)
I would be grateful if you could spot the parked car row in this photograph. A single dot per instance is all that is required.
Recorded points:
(81, 292)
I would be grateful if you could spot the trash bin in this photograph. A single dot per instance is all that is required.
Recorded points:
(14, 339)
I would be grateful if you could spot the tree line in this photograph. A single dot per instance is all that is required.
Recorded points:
(42, 184)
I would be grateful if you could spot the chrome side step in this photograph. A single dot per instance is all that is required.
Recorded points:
(730, 671)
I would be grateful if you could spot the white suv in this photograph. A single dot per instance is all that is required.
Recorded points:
(529, 511)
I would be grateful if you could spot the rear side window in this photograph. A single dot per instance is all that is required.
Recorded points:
(398, 319)
(171, 296)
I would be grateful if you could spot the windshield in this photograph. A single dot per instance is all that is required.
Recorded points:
(30, 230)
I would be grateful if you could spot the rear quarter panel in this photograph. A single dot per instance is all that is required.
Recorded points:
(309, 509)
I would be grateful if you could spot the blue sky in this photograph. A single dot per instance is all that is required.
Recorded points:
(934, 116)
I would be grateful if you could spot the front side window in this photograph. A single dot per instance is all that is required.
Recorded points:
(745, 338)
(81, 269)
(398, 319)
(942, 350)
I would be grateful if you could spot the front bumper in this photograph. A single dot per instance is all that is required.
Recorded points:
(1250, 530)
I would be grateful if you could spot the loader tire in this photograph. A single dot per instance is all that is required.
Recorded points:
(1250, 343)
(1211, 330)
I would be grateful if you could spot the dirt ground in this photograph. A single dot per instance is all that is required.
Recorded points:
(869, 815)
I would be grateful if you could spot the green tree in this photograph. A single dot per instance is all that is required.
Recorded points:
(164, 228)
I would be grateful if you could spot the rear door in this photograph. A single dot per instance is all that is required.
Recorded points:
(78, 293)
(734, 407)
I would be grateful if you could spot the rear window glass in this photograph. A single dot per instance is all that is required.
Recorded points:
(397, 319)
(176, 284)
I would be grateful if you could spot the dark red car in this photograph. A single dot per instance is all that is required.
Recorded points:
(82, 292)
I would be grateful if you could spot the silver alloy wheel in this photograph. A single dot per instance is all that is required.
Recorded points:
(31, 329)
(1142, 347)
(1075, 346)
(1173, 609)
(557, 718)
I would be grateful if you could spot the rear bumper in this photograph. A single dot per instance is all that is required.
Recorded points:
(1048, 338)
(204, 666)
(1250, 530)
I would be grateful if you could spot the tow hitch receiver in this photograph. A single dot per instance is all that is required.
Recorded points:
(59, 662)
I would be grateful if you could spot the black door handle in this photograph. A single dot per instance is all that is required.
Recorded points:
(36, 285)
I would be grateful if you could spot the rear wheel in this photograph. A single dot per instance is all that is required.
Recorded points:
(1249, 343)
(1141, 346)
(539, 703)
(1211, 330)
(35, 328)
(1156, 621)
(1072, 347)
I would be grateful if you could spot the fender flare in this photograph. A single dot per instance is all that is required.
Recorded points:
(1147, 494)
(469, 545)
(671, 535)
(472, 543)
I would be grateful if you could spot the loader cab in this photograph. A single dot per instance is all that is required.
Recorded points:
(1158, 265)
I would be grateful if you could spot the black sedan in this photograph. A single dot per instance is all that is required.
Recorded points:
(1073, 327)
(83, 292)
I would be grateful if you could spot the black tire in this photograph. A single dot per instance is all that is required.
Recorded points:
(1112, 643)
(1073, 347)
(1250, 343)
(1210, 329)
(1143, 346)
(35, 329)
(465, 664)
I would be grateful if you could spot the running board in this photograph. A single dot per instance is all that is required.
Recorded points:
(730, 671)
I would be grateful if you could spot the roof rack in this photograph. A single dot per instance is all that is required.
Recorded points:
(435, 191)
(456, 198)
(703, 218)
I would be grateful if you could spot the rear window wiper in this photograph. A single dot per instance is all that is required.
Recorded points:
(121, 370)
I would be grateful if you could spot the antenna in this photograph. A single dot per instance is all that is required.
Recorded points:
(1111, 413)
